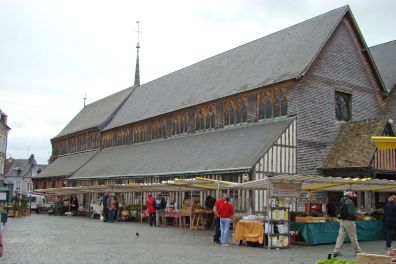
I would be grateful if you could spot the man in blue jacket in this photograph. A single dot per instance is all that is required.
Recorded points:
(347, 224)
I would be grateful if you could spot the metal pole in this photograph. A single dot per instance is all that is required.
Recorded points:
(179, 209)
(141, 207)
(191, 203)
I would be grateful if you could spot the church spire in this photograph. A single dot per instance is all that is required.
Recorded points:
(137, 71)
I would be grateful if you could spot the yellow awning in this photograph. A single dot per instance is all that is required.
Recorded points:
(384, 143)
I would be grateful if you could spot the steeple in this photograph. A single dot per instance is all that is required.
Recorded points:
(137, 71)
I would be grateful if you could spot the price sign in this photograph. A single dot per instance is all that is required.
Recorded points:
(285, 190)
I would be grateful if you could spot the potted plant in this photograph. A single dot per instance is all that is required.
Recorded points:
(14, 208)
(23, 205)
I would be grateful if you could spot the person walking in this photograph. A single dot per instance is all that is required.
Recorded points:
(390, 219)
(1, 238)
(160, 205)
(1, 241)
(105, 211)
(347, 224)
(111, 205)
(216, 207)
(226, 212)
(150, 209)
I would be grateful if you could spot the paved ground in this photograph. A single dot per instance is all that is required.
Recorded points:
(42, 239)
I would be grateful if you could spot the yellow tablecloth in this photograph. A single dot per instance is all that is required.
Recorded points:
(250, 231)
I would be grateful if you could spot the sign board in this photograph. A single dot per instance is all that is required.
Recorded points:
(3, 196)
(317, 197)
(285, 190)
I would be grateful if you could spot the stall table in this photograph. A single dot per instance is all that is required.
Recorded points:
(327, 232)
(250, 231)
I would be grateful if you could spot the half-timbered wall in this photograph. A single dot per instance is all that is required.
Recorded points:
(82, 141)
(279, 159)
(265, 103)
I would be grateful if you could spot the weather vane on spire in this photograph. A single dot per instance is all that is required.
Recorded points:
(137, 71)
(138, 31)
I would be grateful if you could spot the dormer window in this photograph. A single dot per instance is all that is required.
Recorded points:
(343, 106)
(17, 172)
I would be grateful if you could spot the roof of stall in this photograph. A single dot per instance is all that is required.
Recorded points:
(165, 186)
(308, 183)
(321, 183)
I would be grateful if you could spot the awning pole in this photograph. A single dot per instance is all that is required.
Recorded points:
(191, 204)
(141, 207)
(179, 208)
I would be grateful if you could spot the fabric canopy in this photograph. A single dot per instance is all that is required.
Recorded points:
(321, 183)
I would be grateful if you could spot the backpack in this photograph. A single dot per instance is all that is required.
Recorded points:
(159, 203)
(344, 212)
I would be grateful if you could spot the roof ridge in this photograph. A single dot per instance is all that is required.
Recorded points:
(385, 43)
(251, 42)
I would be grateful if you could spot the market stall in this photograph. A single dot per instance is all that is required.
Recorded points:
(327, 232)
(312, 227)
(197, 214)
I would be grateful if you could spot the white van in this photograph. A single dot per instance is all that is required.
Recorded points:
(37, 202)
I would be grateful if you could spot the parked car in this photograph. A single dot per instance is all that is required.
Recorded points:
(37, 202)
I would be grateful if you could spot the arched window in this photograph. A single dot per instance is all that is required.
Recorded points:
(229, 114)
(272, 103)
(212, 120)
(199, 119)
(158, 129)
(280, 104)
(209, 122)
(205, 117)
(282, 98)
(241, 114)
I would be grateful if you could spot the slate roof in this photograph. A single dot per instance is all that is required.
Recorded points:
(281, 56)
(64, 166)
(353, 146)
(385, 58)
(26, 166)
(96, 113)
(226, 150)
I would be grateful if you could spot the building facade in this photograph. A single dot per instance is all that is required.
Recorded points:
(19, 174)
(271, 106)
(4, 128)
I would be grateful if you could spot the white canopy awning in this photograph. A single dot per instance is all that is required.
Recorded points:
(321, 183)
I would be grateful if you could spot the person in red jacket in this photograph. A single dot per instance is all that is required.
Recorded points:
(150, 209)
(216, 207)
(226, 212)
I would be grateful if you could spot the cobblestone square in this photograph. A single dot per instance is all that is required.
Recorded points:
(42, 239)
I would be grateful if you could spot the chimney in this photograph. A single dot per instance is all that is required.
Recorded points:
(3, 117)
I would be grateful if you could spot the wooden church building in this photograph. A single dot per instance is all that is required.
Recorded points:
(287, 103)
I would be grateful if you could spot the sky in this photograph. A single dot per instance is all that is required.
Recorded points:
(53, 53)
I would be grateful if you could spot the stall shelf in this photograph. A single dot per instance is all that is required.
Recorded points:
(278, 227)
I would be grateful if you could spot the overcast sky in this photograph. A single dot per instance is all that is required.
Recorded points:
(52, 53)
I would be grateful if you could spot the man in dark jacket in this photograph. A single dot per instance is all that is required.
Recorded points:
(160, 205)
(390, 219)
(347, 224)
